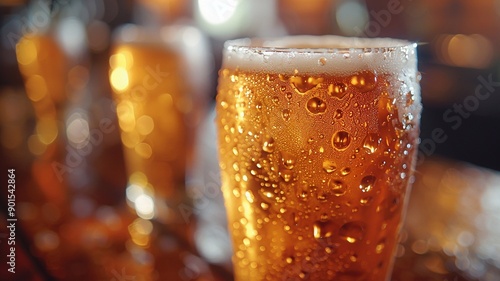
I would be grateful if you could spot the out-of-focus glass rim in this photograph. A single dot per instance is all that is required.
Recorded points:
(318, 44)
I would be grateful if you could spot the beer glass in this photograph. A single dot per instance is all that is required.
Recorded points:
(317, 138)
(158, 106)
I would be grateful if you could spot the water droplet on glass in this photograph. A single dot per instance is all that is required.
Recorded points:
(329, 166)
(323, 229)
(287, 160)
(338, 114)
(341, 140)
(285, 114)
(264, 206)
(258, 105)
(283, 77)
(345, 171)
(289, 260)
(338, 90)
(303, 84)
(286, 175)
(276, 99)
(288, 95)
(249, 196)
(371, 143)
(409, 98)
(367, 183)
(283, 88)
(268, 145)
(337, 187)
(316, 106)
(380, 246)
(365, 201)
(364, 81)
(352, 232)
(322, 61)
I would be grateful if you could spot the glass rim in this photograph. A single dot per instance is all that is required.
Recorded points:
(317, 44)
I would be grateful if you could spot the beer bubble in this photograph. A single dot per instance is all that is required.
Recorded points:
(367, 183)
(353, 258)
(287, 160)
(323, 229)
(364, 81)
(289, 260)
(371, 142)
(338, 90)
(322, 61)
(341, 140)
(337, 187)
(285, 114)
(329, 166)
(268, 145)
(352, 232)
(316, 106)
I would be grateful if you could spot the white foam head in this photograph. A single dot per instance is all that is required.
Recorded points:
(320, 54)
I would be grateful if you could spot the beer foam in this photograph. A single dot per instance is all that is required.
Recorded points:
(320, 54)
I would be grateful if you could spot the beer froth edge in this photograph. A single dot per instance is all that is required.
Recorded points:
(320, 54)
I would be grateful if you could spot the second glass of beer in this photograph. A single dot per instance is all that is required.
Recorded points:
(317, 140)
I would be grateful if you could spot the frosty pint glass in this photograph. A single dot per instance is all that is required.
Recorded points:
(317, 140)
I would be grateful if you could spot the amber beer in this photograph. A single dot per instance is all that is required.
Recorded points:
(317, 149)
(156, 110)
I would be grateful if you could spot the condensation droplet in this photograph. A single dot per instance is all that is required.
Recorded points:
(249, 196)
(264, 206)
(341, 140)
(286, 175)
(352, 232)
(289, 260)
(316, 106)
(338, 113)
(329, 166)
(364, 81)
(372, 142)
(276, 100)
(367, 183)
(365, 201)
(323, 229)
(304, 84)
(268, 145)
(338, 90)
(288, 95)
(345, 171)
(380, 246)
(285, 114)
(287, 160)
(337, 187)
(322, 61)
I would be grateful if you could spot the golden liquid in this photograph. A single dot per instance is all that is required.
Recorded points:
(314, 170)
(152, 102)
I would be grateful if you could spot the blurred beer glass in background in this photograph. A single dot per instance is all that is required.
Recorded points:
(160, 99)
(317, 140)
